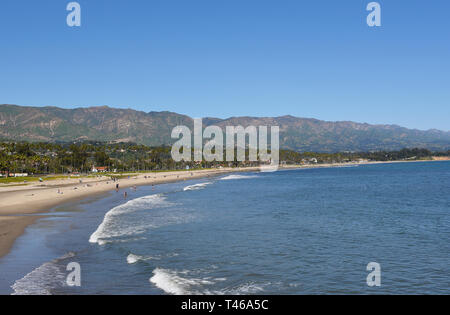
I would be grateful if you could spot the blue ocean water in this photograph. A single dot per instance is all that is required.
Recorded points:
(308, 231)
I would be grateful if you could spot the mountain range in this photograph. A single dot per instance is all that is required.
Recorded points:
(53, 124)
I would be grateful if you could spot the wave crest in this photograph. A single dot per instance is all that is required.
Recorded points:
(132, 258)
(196, 186)
(41, 280)
(230, 177)
(112, 226)
(172, 282)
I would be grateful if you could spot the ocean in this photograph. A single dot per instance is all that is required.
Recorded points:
(306, 231)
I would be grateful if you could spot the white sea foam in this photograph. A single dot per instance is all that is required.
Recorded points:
(180, 283)
(230, 177)
(196, 186)
(112, 226)
(42, 279)
(132, 258)
(171, 282)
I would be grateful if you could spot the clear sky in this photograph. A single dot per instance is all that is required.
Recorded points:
(225, 58)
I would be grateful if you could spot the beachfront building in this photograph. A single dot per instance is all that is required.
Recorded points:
(99, 169)
(18, 174)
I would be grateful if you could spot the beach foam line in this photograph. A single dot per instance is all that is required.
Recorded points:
(111, 225)
(232, 177)
(171, 282)
(196, 186)
(41, 280)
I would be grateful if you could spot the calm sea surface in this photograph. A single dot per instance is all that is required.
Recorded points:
(307, 231)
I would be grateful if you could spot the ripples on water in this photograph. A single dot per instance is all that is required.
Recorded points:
(289, 232)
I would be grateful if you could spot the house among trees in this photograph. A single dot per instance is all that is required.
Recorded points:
(8, 174)
(99, 169)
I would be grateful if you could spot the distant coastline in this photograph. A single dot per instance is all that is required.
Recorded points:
(34, 199)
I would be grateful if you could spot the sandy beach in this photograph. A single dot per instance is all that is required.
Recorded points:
(20, 205)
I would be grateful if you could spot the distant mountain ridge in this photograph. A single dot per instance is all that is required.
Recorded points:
(51, 124)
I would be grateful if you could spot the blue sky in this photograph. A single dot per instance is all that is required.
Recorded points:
(231, 58)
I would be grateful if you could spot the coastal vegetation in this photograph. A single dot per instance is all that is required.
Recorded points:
(92, 157)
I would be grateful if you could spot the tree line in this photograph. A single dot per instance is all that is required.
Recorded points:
(64, 158)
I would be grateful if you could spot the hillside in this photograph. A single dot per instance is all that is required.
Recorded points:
(54, 124)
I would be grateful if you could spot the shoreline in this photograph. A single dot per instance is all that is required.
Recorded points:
(20, 206)
(11, 228)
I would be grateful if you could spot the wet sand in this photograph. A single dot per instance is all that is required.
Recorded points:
(10, 229)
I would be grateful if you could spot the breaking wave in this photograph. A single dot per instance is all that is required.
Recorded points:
(43, 279)
(177, 282)
(196, 186)
(230, 177)
(132, 258)
(114, 225)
